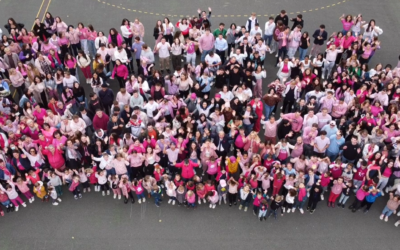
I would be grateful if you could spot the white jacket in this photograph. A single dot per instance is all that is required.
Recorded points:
(125, 31)
(82, 61)
(79, 126)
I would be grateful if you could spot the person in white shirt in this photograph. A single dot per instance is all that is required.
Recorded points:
(310, 119)
(120, 54)
(269, 31)
(246, 35)
(213, 61)
(239, 57)
(256, 30)
(163, 49)
(150, 107)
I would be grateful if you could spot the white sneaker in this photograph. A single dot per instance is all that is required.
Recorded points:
(284, 210)
(240, 207)
(24, 204)
(33, 199)
(108, 192)
(386, 219)
(293, 210)
(387, 190)
(219, 203)
(173, 203)
(88, 190)
(211, 205)
(59, 200)
(140, 201)
(84, 190)
(119, 197)
(225, 201)
(276, 55)
(381, 217)
(397, 223)
(301, 211)
(30, 200)
(204, 200)
(308, 194)
(322, 197)
(214, 206)
(199, 201)
(103, 193)
(55, 203)
(289, 210)
(245, 209)
(144, 199)
(382, 193)
(323, 77)
(169, 201)
(115, 196)
(16, 209)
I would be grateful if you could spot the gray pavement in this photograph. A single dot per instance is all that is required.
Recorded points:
(96, 222)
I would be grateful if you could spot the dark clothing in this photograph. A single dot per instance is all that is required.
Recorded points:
(350, 152)
(296, 22)
(106, 97)
(322, 34)
(95, 105)
(284, 19)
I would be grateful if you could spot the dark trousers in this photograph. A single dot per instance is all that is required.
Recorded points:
(232, 198)
(287, 102)
(281, 54)
(312, 203)
(128, 42)
(221, 54)
(121, 81)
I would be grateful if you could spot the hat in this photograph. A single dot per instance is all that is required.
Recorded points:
(104, 85)
(193, 96)
(222, 183)
(332, 123)
(217, 96)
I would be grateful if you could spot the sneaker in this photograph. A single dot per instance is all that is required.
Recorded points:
(55, 203)
(103, 193)
(301, 211)
(308, 194)
(307, 208)
(115, 196)
(230, 204)
(211, 205)
(245, 209)
(80, 196)
(397, 223)
(293, 210)
(323, 77)
(322, 197)
(33, 199)
(30, 200)
(24, 204)
(382, 193)
(333, 205)
(119, 197)
(133, 200)
(381, 217)
(84, 190)
(16, 209)
(219, 203)
(157, 205)
(387, 190)
(204, 201)
(88, 190)
(144, 200)
(140, 201)
(240, 207)
(312, 211)
(59, 200)
(260, 218)
(75, 197)
(173, 203)
(126, 200)
(289, 210)
(284, 210)
(108, 192)
(276, 55)
(329, 204)
(169, 201)
(199, 201)
(343, 206)
(386, 219)
(366, 211)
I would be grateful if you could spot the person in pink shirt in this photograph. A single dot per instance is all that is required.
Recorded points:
(83, 37)
(339, 108)
(347, 23)
(270, 127)
(59, 25)
(23, 187)
(39, 113)
(390, 132)
(55, 157)
(336, 190)
(121, 72)
(295, 120)
(188, 169)
(91, 37)
(206, 43)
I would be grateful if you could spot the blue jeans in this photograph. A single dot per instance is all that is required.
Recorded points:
(343, 198)
(92, 48)
(302, 53)
(299, 204)
(191, 205)
(262, 213)
(140, 196)
(248, 128)
(386, 211)
(268, 110)
(332, 156)
(271, 211)
(268, 39)
(204, 54)
(345, 160)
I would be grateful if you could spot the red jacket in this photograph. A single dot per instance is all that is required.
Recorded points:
(187, 170)
(100, 123)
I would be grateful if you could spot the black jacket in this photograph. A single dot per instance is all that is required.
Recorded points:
(94, 105)
(106, 97)
(324, 37)
(224, 143)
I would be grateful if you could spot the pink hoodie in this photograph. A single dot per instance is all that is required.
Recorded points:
(297, 122)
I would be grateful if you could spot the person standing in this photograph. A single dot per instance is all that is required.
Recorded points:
(320, 36)
(206, 44)
(163, 49)
(221, 45)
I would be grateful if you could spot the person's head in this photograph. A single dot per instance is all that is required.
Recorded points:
(322, 27)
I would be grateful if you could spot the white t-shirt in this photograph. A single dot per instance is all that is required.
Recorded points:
(214, 60)
(163, 49)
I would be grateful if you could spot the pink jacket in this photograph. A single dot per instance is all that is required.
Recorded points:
(119, 40)
(187, 170)
(190, 199)
(120, 166)
(121, 70)
(297, 122)
(73, 186)
(73, 36)
(56, 160)
(23, 187)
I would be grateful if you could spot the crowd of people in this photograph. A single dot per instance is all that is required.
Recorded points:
(188, 128)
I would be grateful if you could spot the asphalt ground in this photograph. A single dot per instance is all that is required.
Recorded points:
(97, 222)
